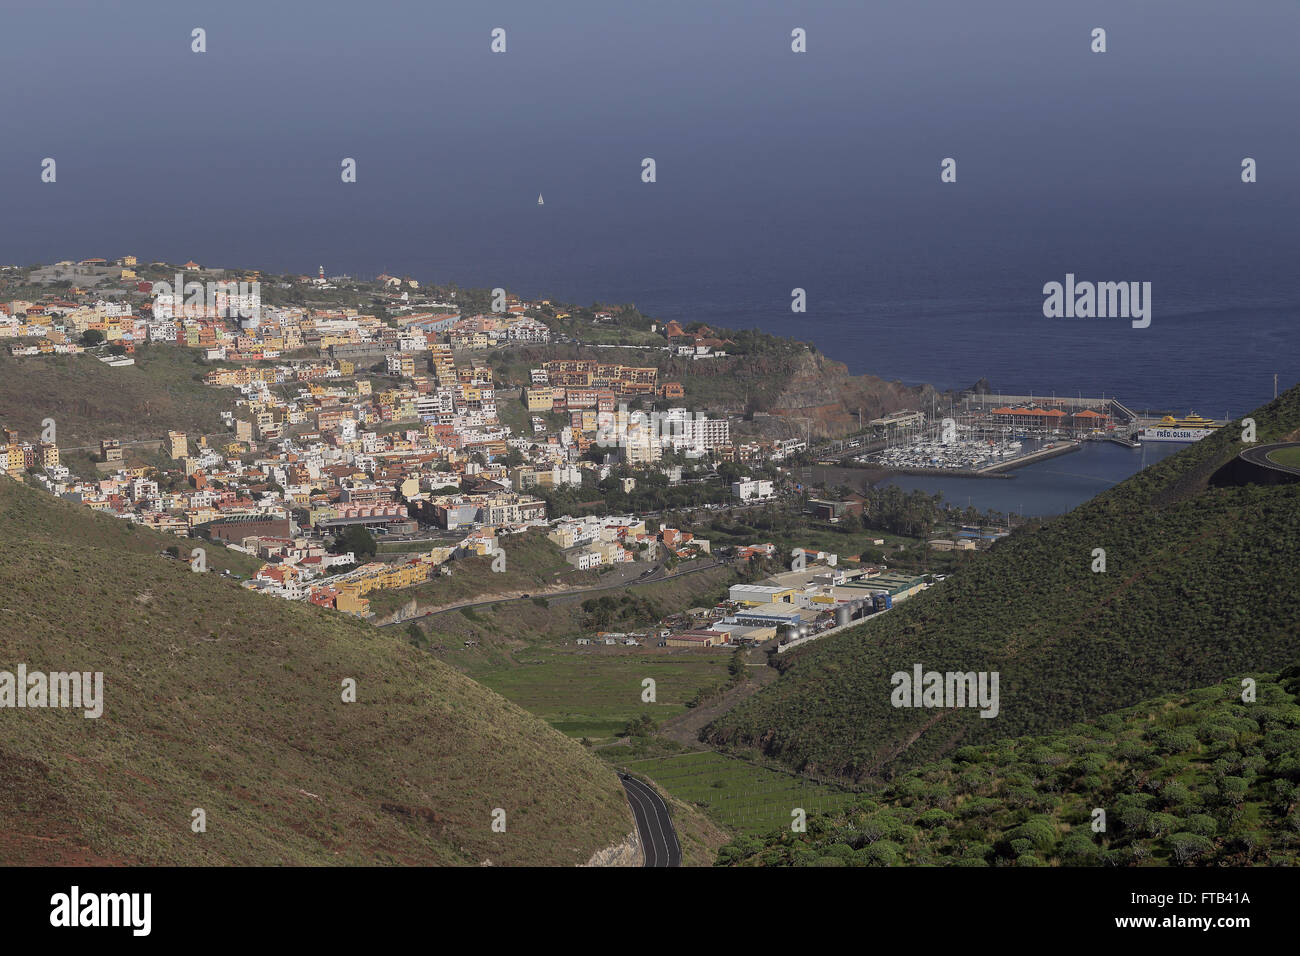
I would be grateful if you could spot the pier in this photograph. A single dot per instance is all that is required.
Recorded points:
(998, 468)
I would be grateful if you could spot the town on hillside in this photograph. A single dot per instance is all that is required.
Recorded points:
(370, 452)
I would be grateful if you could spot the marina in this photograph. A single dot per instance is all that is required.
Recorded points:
(987, 435)
(1043, 487)
(968, 457)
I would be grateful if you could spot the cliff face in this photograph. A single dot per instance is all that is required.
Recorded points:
(822, 397)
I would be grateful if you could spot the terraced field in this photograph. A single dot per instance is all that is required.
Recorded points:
(738, 794)
(594, 692)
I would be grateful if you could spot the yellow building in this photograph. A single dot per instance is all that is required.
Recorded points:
(388, 578)
(350, 601)
(436, 556)
(540, 398)
(443, 364)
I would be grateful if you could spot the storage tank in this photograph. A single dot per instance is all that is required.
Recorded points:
(843, 614)
(791, 633)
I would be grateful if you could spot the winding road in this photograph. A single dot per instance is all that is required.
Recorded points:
(1259, 456)
(562, 596)
(658, 837)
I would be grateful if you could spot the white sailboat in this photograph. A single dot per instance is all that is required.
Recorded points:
(539, 200)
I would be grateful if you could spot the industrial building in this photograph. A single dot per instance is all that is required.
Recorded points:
(772, 615)
(708, 638)
(755, 594)
(897, 586)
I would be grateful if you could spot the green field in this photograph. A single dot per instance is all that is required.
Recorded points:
(594, 691)
(1286, 456)
(739, 794)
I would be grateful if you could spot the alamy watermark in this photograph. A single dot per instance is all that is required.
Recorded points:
(922, 688)
(1099, 300)
(78, 690)
(194, 300)
(676, 428)
(127, 910)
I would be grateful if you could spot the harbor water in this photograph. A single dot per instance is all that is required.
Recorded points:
(1049, 487)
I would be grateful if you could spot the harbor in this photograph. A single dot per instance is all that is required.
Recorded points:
(1043, 487)
(967, 457)
(988, 435)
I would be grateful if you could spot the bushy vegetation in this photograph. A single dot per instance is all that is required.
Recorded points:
(623, 608)
(1201, 778)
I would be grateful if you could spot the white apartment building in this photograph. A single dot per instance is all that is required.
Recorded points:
(752, 489)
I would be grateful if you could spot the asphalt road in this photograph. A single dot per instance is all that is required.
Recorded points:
(561, 596)
(658, 837)
(1259, 456)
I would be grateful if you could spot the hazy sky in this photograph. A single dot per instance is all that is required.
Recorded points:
(774, 169)
(233, 155)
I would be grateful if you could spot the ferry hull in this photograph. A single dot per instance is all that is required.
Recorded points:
(1174, 434)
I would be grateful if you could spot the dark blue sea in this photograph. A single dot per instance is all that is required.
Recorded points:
(774, 170)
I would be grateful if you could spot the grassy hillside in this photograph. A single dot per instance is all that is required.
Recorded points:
(533, 563)
(89, 400)
(1199, 778)
(220, 699)
(1198, 587)
(762, 373)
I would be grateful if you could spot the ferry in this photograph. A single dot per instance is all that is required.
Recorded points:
(1189, 429)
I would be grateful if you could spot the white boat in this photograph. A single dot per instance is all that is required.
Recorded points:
(1189, 429)
(1174, 434)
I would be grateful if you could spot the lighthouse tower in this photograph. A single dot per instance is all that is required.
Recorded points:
(320, 273)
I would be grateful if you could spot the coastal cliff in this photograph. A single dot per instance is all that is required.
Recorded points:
(821, 397)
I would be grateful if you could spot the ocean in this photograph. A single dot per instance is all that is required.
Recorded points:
(774, 170)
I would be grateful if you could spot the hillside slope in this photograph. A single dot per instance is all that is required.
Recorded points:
(89, 400)
(1197, 587)
(220, 699)
(803, 392)
(1195, 778)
